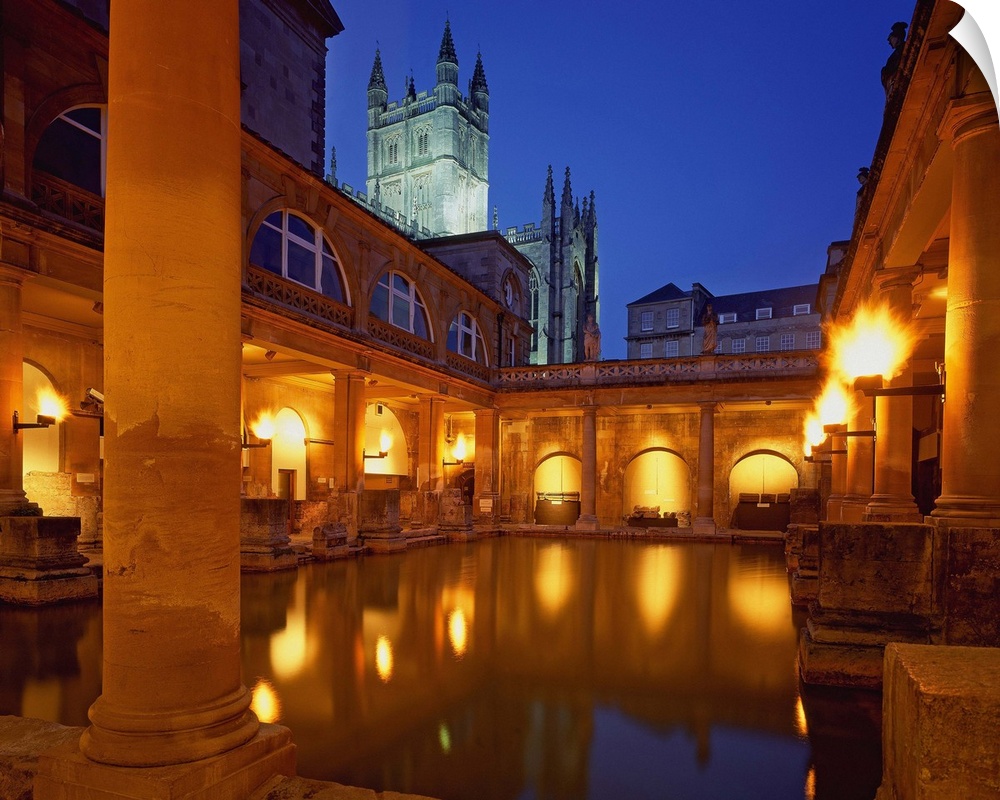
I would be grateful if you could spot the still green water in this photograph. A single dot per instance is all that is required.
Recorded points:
(517, 668)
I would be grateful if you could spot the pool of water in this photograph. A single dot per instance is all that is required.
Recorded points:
(517, 668)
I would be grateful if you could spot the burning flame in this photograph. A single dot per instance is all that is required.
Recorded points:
(832, 407)
(875, 342)
(52, 405)
(458, 451)
(263, 426)
(384, 442)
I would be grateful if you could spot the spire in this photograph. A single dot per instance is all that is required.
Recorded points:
(447, 52)
(576, 212)
(377, 80)
(567, 193)
(550, 192)
(479, 76)
(593, 208)
(411, 89)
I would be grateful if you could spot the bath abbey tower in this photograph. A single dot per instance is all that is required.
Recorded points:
(428, 169)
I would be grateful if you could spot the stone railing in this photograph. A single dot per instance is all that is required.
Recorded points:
(468, 367)
(397, 337)
(290, 294)
(68, 201)
(795, 363)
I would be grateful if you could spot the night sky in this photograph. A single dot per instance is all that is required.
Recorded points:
(722, 140)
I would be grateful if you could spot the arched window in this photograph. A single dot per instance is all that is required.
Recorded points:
(73, 148)
(533, 291)
(423, 139)
(465, 338)
(397, 301)
(289, 246)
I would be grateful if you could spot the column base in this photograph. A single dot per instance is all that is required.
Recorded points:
(853, 507)
(40, 563)
(64, 773)
(833, 508)
(892, 508)
(587, 522)
(703, 526)
(954, 511)
(384, 542)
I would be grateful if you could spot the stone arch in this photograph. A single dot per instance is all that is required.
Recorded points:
(288, 454)
(762, 472)
(41, 446)
(657, 477)
(383, 428)
(558, 478)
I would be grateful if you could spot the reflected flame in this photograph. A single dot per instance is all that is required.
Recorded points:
(383, 658)
(553, 578)
(801, 724)
(444, 738)
(458, 451)
(263, 426)
(656, 589)
(810, 787)
(289, 646)
(384, 442)
(458, 633)
(875, 342)
(265, 703)
(52, 405)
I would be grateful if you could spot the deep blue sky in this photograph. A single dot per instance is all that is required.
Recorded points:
(722, 139)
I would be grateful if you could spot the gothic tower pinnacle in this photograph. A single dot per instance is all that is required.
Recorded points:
(447, 63)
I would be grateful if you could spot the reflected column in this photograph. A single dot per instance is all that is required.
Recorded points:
(588, 477)
(704, 522)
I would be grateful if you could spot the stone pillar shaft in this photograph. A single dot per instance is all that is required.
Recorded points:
(892, 498)
(970, 483)
(11, 390)
(172, 691)
(588, 475)
(432, 444)
(860, 465)
(838, 480)
(705, 512)
(354, 438)
(487, 463)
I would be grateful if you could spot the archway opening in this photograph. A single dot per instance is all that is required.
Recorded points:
(41, 445)
(657, 485)
(288, 455)
(759, 488)
(557, 490)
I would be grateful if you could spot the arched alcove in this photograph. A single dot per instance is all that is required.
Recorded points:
(383, 433)
(762, 472)
(657, 477)
(288, 455)
(41, 445)
(557, 490)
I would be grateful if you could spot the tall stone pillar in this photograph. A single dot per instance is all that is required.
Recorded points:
(486, 501)
(588, 478)
(704, 521)
(892, 499)
(11, 384)
(970, 470)
(860, 462)
(172, 692)
(432, 444)
(838, 480)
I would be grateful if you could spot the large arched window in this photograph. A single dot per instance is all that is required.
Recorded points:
(397, 301)
(466, 339)
(73, 148)
(289, 246)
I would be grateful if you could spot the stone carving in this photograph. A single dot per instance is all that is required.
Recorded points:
(711, 326)
(591, 340)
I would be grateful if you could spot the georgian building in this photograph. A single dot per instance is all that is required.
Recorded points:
(670, 322)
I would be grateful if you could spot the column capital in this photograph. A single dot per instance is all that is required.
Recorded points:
(13, 274)
(889, 278)
(968, 116)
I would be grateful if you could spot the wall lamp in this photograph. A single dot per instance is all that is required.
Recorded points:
(384, 443)
(457, 452)
(41, 421)
(248, 445)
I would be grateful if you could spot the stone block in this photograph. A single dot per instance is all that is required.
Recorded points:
(455, 515)
(878, 568)
(40, 562)
(939, 736)
(21, 741)
(378, 521)
(264, 542)
(971, 589)
(803, 506)
(330, 541)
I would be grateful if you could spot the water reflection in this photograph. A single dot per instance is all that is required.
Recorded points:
(517, 668)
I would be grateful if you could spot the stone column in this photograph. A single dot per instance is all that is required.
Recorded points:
(486, 501)
(838, 479)
(860, 454)
(704, 521)
(172, 693)
(588, 477)
(892, 499)
(11, 388)
(432, 444)
(348, 450)
(970, 470)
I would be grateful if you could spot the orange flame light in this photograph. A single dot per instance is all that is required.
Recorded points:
(263, 426)
(832, 407)
(875, 342)
(458, 451)
(52, 405)
(384, 442)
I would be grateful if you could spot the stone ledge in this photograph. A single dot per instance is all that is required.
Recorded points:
(21, 741)
(940, 707)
